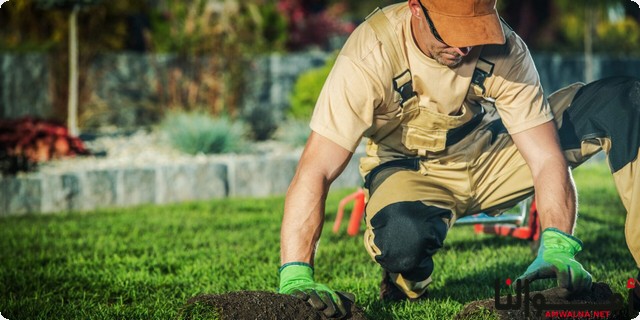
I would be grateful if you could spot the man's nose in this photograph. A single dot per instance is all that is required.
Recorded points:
(463, 51)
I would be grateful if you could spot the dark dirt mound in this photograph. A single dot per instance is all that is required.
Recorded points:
(582, 303)
(243, 305)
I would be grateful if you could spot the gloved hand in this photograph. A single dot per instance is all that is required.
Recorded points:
(297, 279)
(556, 260)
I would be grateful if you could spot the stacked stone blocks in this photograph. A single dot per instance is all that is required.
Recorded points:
(213, 178)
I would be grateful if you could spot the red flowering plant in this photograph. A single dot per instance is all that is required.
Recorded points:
(27, 141)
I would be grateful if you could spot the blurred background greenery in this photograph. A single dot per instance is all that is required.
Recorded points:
(248, 27)
(221, 40)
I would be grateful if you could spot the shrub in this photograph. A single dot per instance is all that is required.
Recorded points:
(307, 89)
(196, 132)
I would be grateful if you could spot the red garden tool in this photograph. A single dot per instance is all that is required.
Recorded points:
(356, 213)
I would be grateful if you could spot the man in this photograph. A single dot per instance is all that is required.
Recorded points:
(457, 123)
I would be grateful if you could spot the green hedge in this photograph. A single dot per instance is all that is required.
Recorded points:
(307, 89)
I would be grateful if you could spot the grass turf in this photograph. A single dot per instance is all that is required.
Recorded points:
(145, 262)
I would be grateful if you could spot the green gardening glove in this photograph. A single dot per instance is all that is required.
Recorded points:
(296, 278)
(556, 260)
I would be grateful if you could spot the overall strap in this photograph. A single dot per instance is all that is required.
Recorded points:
(402, 80)
(484, 67)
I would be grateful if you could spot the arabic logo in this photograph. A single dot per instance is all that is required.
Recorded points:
(1, 3)
(636, 1)
(562, 310)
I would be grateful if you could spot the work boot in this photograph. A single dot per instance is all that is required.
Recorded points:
(389, 292)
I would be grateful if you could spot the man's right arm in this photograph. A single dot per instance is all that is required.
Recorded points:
(321, 162)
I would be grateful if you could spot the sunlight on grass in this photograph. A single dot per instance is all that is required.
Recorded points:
(145, 262)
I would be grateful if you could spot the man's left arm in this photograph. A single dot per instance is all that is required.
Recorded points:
(556, 204)
(554, 187)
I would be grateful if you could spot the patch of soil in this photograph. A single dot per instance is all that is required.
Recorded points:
(242, 305)
(600, 294)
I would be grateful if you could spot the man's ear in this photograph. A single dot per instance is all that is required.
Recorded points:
(414, 6)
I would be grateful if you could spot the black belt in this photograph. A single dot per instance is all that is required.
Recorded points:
(408, 163)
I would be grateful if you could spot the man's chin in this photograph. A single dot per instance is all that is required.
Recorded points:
(448, 59)
(451, 63)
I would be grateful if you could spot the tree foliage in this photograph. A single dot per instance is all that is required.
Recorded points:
(560, 25)
(65, 4)
(199, 26)
(227, 34)
(314, 23)
(29, 25)
(207, 27)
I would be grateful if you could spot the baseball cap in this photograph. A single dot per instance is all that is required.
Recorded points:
(466, 23)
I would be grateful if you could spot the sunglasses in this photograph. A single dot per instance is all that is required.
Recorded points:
(431, 26)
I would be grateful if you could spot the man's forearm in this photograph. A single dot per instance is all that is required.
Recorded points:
(554, 189)
(555, 196)
(303, 220)
(556, 203)
(321, 162)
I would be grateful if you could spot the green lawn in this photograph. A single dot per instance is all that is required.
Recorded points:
(145, 262)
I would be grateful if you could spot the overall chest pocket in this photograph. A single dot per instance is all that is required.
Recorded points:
(425, 131)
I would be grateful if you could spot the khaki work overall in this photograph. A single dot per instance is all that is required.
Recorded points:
(482, 171)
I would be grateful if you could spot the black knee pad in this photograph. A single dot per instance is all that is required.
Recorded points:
(607, 108)
(408, 234)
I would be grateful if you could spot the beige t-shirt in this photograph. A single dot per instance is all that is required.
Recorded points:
(357, 97)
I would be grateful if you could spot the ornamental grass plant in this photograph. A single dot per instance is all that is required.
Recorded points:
(200, 133)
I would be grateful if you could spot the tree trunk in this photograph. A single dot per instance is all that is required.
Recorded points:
(588, 43)
(72, 116)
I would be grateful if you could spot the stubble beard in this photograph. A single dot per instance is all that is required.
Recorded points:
(447, 62)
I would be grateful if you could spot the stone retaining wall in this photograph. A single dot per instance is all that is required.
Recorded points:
(129, 83)
(25, 85)
(211, 178)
